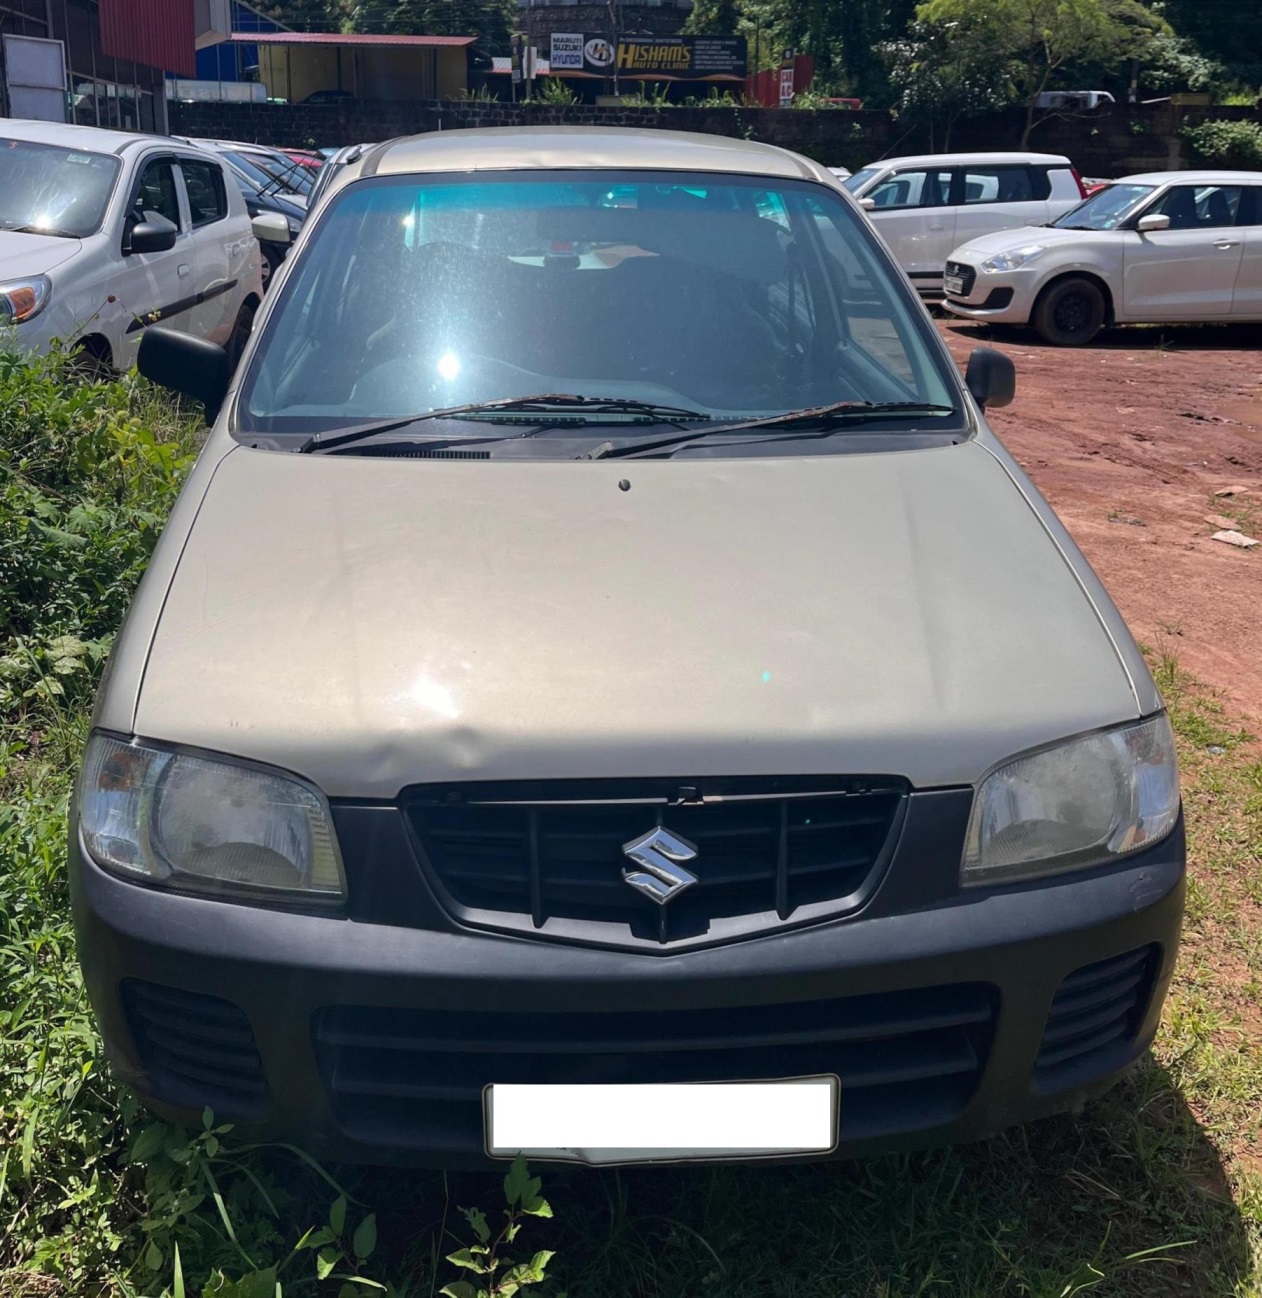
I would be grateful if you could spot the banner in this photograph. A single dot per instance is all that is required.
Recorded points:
(683, 58)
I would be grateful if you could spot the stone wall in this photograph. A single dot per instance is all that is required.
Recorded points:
(1113, 142)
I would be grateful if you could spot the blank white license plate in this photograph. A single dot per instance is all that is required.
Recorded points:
(662, 1122)
(954, 284)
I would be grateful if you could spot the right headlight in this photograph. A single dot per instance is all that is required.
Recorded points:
(201, 822)
(1014, 259)
(23, 299)
(1081, 803)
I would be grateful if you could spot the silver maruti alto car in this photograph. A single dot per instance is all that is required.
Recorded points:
(601, 642)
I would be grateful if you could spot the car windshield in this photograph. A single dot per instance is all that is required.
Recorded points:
(733, 297)
(62, 191)
(1105, 210)
(254, 166)
(860, 178)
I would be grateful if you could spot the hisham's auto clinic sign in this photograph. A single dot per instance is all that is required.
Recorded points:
(682, 58)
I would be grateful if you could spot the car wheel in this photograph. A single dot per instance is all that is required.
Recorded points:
(270, 263)
(90, 361)
(240, 334)
(1071, 312)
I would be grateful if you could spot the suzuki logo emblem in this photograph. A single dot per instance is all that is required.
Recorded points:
(659, 855)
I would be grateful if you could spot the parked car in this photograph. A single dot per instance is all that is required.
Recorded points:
(1093, 185)
(1071, 99)
(326, 98)
(309, 158)
(262, 194)
(1162, 248)
(925, 206)
(103, 233)
(745, 715)
(842, 173)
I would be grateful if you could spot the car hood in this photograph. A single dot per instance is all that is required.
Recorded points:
(371, 623)
(1008, 240)
(23, 255)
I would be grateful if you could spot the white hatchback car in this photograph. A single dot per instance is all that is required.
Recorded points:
(104, 232)
(1163, 248)
(926, 205)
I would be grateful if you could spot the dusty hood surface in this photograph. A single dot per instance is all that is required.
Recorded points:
(987, 245)
(372, 623)
(23, 255)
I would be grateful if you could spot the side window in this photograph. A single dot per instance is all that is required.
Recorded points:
(157, 193)
(1251, 206)
(998, 185)
(1199, 207)
(207, 197)
(912, 189)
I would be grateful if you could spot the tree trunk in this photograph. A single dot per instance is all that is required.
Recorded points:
(1029, 122)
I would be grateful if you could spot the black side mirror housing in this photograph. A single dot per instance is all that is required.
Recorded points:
(154, 234)
(991, 377)
(190, 366)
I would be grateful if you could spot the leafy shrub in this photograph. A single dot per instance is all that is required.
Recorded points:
(87, 474)
(1226, 143)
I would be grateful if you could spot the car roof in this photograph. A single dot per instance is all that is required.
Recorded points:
(539, 147)
(964, 159)
(1192, 178)
(89, 139)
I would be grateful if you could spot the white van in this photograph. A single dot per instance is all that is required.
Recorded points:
(925, 206)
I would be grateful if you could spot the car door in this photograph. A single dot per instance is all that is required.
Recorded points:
(990, 198)
(913, 214)
(221, 248)
(153, 286)
(1247, 298)
(1189, 271)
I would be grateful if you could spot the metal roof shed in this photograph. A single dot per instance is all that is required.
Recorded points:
(295, 65)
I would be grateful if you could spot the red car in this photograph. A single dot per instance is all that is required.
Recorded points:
(305, 158)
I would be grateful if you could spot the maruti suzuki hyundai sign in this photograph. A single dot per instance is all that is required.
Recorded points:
(683, 58)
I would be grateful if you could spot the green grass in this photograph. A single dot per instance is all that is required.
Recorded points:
(1155, 1189)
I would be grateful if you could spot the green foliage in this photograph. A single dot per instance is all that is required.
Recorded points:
(1031, 41)
(553, 90)
(1226, 143)
(1173, 64)
(498, 1277)
(491, 21)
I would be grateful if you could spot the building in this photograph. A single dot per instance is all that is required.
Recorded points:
(54, 66)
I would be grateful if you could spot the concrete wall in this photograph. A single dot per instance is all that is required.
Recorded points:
(1110, 143)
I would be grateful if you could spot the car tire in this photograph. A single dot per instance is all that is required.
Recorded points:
(271, 264)
(1071, 313)
(91, 361)
(240, 336)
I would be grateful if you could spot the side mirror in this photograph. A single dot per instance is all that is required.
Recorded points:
(868, 204)
(270, 227)
(154, 234)
(991, 377)
(190, 366)
(1156, 221)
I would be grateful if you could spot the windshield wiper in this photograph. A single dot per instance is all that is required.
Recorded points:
(42, 229)
(786, 424)
(545, 403)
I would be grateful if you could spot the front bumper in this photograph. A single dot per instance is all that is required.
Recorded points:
(1006, 298)
(946, 1019)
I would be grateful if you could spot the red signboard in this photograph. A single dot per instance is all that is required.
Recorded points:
(157, 33)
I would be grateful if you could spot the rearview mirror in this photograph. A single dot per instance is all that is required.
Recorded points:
(270, 227)
(154, 234)
(991, 377)
(868, 204)
(190, 366)
(1157, 221)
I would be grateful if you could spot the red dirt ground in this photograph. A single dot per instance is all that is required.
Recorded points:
(1129, 440)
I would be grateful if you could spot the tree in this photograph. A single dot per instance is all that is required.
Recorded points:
(306, 15)
(941, 72)
(1037, 38)
(491, 21)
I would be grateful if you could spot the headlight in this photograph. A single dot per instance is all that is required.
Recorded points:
(206, 824)
(23, 299)
(1079, 804)
(1013, 260)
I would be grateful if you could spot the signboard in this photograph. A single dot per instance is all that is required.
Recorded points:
(567, 52)
(683, 58)
(786, 80)
(35, 70)
(515, 58)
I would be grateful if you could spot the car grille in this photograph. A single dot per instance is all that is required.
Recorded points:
(907, 1060)
(198, 1051)
(1095, 1016)
(967, 274)
(548, 858)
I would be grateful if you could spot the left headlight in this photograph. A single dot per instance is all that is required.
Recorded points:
(1013, 260)
(23, 299)
(202, 823)
(1081, 803)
